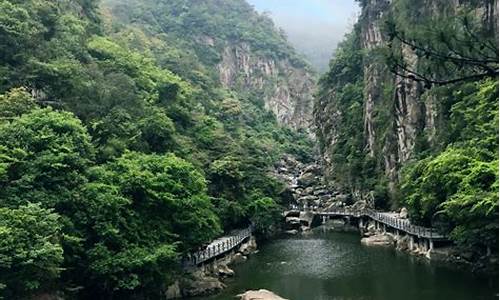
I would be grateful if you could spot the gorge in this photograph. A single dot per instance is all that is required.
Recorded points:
(159, 149)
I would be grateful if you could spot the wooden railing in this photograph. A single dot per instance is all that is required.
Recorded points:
(394, 222)
(218, 247)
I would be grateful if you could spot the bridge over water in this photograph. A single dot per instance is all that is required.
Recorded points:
(424, 237)
(218, 247)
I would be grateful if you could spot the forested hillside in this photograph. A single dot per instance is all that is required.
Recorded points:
(133, 132)
(421, 79)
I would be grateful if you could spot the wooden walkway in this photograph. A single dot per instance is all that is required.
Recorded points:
(387, 218)
(218, 247)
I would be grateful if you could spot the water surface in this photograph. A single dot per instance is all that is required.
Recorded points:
(335, 266)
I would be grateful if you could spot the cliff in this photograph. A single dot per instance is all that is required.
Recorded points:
(241, 50)
(370, 122)
(285, 89)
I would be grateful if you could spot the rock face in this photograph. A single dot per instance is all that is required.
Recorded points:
(260, 295)
(307, 187)
(200, 283)
(410, 115)
(378, 240)
(207, 279)
(286, 88)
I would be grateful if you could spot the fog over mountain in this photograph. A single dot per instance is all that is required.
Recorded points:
(314, 27)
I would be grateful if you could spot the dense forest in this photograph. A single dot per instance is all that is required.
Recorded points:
(421, 78)
(120, 148)
(134, 132)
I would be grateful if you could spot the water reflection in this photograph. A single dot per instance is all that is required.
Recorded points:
(335, 266)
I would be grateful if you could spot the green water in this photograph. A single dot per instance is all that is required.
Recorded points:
(335, 266)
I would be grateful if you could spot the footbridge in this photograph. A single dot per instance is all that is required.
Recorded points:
(390, 222)
(385, 219)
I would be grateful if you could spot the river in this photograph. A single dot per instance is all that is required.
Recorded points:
(335, 266)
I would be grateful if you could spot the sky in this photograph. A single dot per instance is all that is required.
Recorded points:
(314, 27)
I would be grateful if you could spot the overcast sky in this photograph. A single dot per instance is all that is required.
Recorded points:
(314, 27)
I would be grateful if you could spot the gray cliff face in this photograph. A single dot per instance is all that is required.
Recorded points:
(285, 89)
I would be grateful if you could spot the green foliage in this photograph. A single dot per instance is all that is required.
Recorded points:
(43, 154)
(447, 55)
(265, 214)
(459, 192)
(139, 215)
(458, 188)
(31, 254)
(15, 103)
(138, 149)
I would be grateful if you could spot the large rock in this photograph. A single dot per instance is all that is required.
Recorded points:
(320, 192)
(314, 169)
(360, 205)
(403, 243)
(307, 179)
(224, 271)
(308, 198)
(249, 247)
(239, 258)
(403, 214)
(292, 220)
(378, 240)
(173, 291)
(201, 284)
(260, 295)
(308, 191)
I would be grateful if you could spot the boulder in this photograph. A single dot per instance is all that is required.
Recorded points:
(325, 197)
(341, 198)
(292, 220)
(248, 247)
(282, 170)
(403, 243)
(260, 295)
(239, 258)
(307, 179)
(309, 191)
(308, 198)
(314, 169)
(201, 284)
(378, 240)
(320, 192)
(359, 205)
(173, 291)
(225, 271)
(403, 214)
(289, 161)
(333, 206)
(292, 232)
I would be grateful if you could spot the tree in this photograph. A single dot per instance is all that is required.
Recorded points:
(15, 103)
(138, 216)
(44, 155)
(451, 48)
(31, 254)
(265, 214)
(459, 192)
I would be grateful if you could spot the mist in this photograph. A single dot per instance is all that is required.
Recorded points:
(314, 27)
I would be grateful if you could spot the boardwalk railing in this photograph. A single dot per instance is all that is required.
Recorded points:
(387, 219)
(218, 247)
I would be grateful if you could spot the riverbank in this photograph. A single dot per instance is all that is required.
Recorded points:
(207, 277)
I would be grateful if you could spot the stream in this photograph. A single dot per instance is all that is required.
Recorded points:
(328, 265)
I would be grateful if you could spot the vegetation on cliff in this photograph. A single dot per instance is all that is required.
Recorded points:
(421, 78)
(120, 150)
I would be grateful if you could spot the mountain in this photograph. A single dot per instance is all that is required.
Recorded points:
(241, 49)
(407, 114)
(134, 132)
